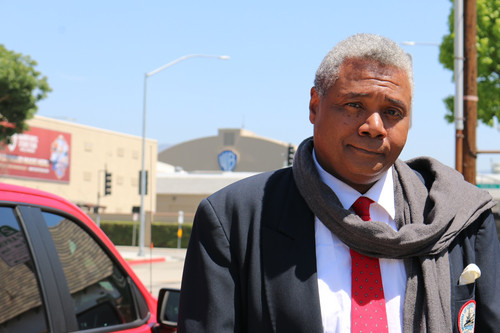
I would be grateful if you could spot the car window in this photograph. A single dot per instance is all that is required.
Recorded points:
(21, 308)
(100, 291)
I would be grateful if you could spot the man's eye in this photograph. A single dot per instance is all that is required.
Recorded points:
(395, 113)
(354, 105)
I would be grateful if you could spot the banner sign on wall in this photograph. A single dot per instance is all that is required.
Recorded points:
(37, 153)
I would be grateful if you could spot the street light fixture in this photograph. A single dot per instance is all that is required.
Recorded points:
(412, 43)
(143, 171)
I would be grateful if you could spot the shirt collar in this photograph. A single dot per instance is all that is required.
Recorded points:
(382, 192)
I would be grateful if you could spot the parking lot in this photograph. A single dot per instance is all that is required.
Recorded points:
(159, 267)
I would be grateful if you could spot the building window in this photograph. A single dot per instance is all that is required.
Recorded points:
(87, 176)
(134, 181)
(88, 146)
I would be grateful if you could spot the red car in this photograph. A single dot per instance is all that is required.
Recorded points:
(60, 273)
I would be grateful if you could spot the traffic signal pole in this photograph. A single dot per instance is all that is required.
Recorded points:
(107, 182)
(107, 191)
(290, 155)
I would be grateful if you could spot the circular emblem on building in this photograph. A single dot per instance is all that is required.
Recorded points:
(228, 160)
(467, 317)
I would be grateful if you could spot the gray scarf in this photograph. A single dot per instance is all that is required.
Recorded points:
(429, 217)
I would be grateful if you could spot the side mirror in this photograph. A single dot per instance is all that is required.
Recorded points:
(168, 308)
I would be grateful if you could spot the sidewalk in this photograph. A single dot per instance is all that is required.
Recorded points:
(158, 268)
(131, 254)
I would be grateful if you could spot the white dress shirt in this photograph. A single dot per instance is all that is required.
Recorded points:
(333, 258)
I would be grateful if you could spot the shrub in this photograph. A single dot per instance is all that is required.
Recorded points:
(163, 234)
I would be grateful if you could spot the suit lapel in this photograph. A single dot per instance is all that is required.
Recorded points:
(289, 259)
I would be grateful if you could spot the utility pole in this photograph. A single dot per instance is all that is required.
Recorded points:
(459, 84)
(470, 91)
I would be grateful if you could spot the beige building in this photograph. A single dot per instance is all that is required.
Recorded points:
(71, 160)
(192, 170)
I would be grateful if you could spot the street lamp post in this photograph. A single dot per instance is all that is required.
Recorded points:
(458, 66)
(142, 226)
(459, 82)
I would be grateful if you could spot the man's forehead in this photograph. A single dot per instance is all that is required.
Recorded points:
(357, 69)
(356, 75)
(367, 64)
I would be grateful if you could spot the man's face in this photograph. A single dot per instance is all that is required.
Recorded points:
(361, 123)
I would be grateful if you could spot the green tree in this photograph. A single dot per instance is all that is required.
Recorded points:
(21, 87)
(488, 60)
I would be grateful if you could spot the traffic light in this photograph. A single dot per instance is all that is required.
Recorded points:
(107, 183)
(291, 154)
(140, 182)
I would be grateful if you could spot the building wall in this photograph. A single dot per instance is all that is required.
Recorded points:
(92, 151)
(170, 205)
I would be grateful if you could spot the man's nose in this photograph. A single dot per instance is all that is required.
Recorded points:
(373, 126)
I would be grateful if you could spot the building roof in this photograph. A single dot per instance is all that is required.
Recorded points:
(170, 180)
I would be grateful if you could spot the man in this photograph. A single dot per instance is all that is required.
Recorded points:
(286, 251)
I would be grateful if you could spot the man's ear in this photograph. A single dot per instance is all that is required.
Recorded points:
(313, 105)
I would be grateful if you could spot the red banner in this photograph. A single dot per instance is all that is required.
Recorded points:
(37, 153)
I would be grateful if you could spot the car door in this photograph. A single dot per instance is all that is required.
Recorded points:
(79, 283)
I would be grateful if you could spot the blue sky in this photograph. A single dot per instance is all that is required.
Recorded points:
(95, 54)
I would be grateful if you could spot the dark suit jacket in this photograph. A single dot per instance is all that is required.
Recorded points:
(251, 263)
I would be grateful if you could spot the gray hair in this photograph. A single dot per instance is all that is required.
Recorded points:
(361, 46)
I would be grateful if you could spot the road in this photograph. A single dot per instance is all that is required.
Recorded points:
(159, 267)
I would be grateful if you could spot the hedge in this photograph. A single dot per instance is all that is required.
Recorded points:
(163, 234)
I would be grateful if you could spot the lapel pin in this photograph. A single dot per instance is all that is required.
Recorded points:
(470, 274)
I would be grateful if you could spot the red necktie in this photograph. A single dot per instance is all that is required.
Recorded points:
(367, 293)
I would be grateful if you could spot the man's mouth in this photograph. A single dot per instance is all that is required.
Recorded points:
(368, 151)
